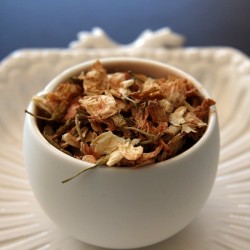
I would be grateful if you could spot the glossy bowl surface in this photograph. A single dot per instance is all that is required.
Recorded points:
(122, 207)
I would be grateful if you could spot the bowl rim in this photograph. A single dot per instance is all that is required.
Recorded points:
(76, 163)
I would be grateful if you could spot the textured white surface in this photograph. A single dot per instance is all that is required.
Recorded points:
(224, 222)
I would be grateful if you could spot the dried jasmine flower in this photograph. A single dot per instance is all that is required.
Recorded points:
(99, 106)
(176, 118)
(97, 75)
(122, 119)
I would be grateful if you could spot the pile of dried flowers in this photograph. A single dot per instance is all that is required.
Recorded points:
(122, 118)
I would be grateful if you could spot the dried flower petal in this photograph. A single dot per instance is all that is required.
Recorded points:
(202, 111)
(173, 129)
(116, 79)
(72, 109)
(114, 158)
(127, 83)
(168, 106)
(129, 151)
(140, 115)
(176, 118)
(89, 158)
(151, 90)
(150, 85)
(186, 128)
(90, 136)
(156, 112)
(148, 156)
(99, 106)
(57, 102)
(174, 90)
(191, 118)
(95, 80)
(115, 121)
(106, 143)
(71, 140)
(174, 145)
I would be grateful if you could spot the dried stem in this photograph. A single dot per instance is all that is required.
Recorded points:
(78, 129)
(129, 99)
(39, 117)
(135, 76)
(53, 143)
(140, 131)
(100, 162)
(82, 171)
(189, 107)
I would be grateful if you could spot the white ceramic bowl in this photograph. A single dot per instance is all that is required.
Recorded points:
(122, 207)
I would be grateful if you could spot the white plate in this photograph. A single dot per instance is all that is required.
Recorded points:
(224, 222)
